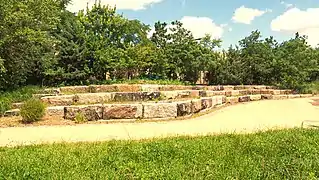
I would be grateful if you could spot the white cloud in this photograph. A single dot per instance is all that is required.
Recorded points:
(200, 26)
(247, 15)
(77, 5)
(295, 20)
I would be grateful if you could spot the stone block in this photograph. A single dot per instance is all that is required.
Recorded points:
(235, 93)
(266, 96)
(274, 92)
(260, 87)
(202, 93)
(75, 89)
(255, 97)
(232, 100)
(64, 100)
(253, 91)
(243, 92)
(184, 108)
(214, 101)
(196, 105)
(160, 110)
(220, 100)
(265, 91)
(93, 98)
(279, 97)
(135, 96)
(173, 94)
(286, 92)
(219, 93)
(239, 87)
(128, 88)
(90, 112)
(55, 111)
(206, 103)
(244, 99)
(229, 88)
(150, 87)
(12, 112)
(122, 111)
(293, 96)
(306, 95)
(228, 93)
(106, 88)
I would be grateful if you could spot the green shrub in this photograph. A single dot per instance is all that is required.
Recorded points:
(80, 118)
(32, 110)
(5, 105)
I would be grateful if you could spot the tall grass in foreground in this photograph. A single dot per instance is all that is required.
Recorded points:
(285, 154)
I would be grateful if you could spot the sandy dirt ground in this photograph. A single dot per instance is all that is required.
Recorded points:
(242, 118)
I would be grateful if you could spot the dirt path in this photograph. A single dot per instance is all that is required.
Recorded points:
(243, 118)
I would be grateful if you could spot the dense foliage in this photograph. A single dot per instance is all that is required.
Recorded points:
(32, 110)
(41, 43)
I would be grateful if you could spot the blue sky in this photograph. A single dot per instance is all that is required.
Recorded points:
(229, 20)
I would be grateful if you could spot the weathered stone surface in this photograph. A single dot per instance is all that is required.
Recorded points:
(253, 91)
(123, 111)
(235, 93)
(64, 100)
(202, 93)
(135, 96)
(293, 96)
(306, 95)
(173, 94)
(55, 111)
(243, 92)
(266, 96)
(184, 108)
(128, 88)
(12, 112)
(194, 93)
(93, 98)
(260, 87)
(75, 89)
(196, 105)
(228, 93)
(239, 87)
(254, 97)
(265, 91)
(229, 88)
(199, 87)
(278, 97)
(206, 102)
(105, 88)
(90, 112)
(275, 92)
(286, 92)
(243, 98)
(214, 101)
(219, 93)
(160, 110)
(220, 100)
(232, 100)
(215, 88)
(150, 87)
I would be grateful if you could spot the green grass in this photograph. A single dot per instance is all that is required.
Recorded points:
(285, 154)
(18, 95)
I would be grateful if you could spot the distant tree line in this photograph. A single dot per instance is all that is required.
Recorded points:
(41, 43)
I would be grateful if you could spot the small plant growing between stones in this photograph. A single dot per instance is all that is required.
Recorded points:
(80, 118)
(92, 89)
(32, 110)
(5, 105)
(75, 99)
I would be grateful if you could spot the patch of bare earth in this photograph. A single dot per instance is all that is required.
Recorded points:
(315, 102)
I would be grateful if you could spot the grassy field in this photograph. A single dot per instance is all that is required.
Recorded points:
(285, 154)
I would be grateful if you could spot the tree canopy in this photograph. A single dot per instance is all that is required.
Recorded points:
(42, 43)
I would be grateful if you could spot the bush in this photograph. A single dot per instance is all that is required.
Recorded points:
(80, 118)
(5, 105)
(32, 110)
